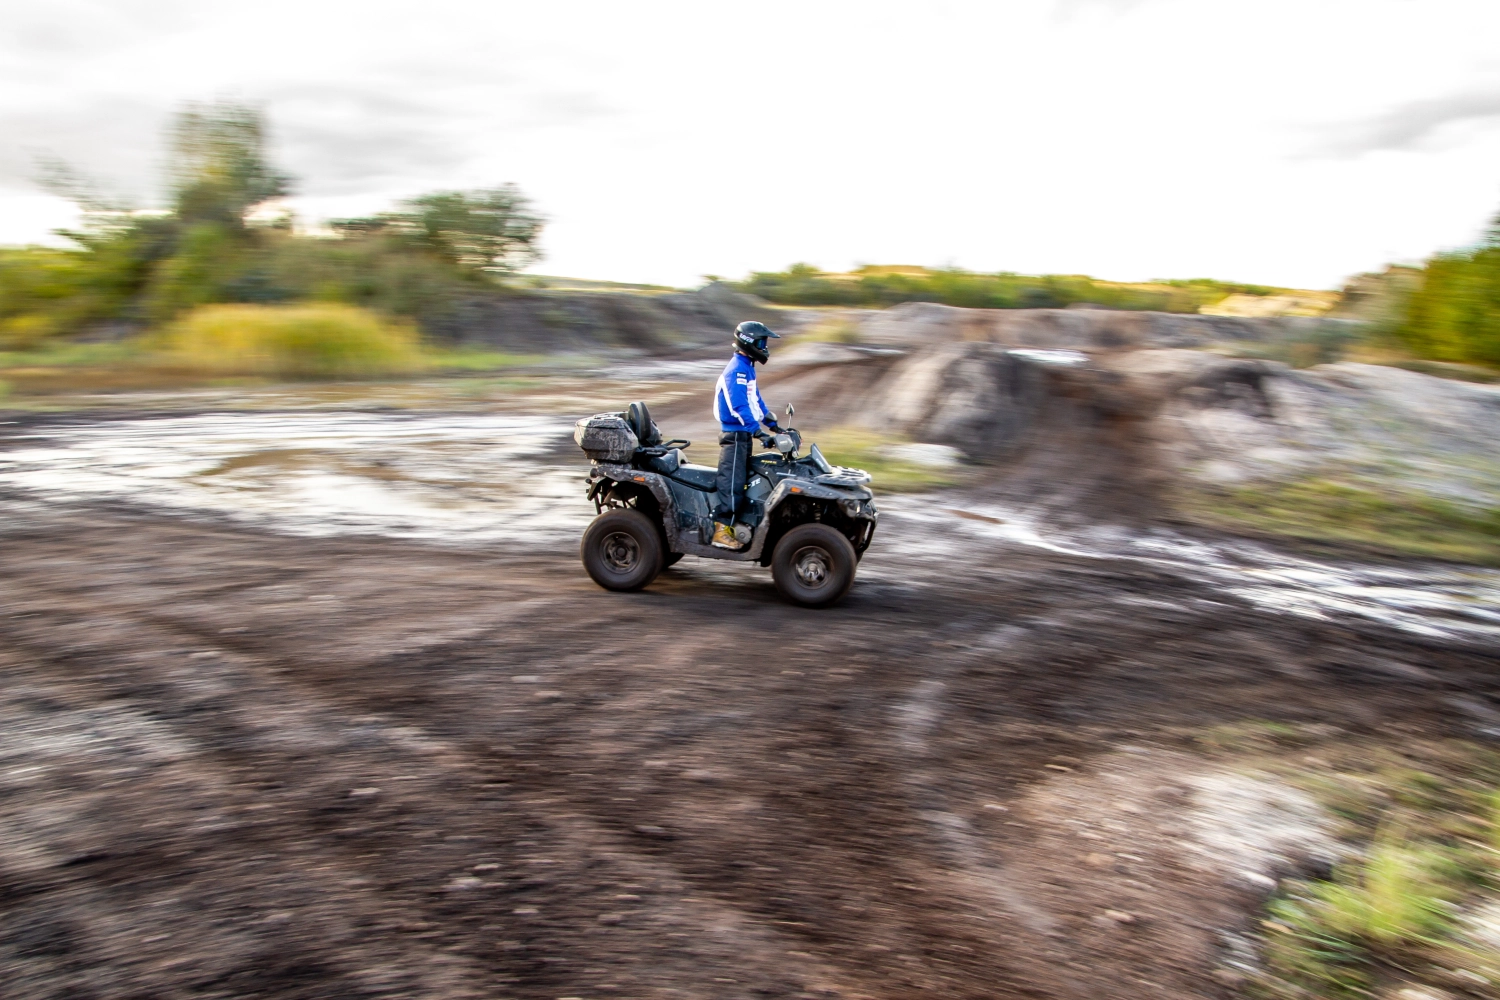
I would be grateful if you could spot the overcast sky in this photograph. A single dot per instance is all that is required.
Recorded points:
(1283, 142)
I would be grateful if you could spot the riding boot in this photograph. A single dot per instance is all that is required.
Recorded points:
(724, 537)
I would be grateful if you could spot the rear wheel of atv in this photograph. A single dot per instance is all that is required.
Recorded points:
(622, 550)
(813, 565)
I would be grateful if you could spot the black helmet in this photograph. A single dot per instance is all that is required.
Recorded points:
(750, 340)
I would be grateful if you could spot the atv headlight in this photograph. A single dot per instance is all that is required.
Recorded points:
(851, 507)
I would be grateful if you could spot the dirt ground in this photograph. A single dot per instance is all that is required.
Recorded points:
(241, 764)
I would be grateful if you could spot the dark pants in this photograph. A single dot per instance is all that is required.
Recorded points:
(734, 467)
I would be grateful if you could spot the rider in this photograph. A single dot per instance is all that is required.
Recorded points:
(740, 411)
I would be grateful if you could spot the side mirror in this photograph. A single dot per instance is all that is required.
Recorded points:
(790, 409)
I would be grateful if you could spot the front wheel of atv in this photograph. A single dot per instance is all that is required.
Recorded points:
(813, 565)
(622, 550)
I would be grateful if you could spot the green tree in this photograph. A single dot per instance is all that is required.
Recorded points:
(131, 269)
(1454, 314)
(218, 165)
(148, 266)
(493, 230)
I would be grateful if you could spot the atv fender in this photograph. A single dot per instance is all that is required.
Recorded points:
(677, 539)
(684, 542)
(803, 487)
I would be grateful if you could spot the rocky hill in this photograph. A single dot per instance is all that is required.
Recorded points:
(1111, 413)
(571, 320)
(918, 323)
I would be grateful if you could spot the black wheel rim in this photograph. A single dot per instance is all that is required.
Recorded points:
(621, 552)
(812, 566)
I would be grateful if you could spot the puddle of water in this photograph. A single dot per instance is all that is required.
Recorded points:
(475, 477)
(492, 477)
(1442, 602)
(1049, 357)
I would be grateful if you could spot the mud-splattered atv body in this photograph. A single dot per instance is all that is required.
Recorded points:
(806, 519)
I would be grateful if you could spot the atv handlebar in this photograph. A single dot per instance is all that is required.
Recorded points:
(773, 442)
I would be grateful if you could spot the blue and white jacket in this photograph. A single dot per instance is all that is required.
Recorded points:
(737, 402)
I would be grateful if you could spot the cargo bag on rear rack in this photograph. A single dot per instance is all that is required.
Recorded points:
(606, 437)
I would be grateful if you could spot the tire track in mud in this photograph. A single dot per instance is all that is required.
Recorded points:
(292, 724)
(551, 765)
(736, 765)
(918, 715)
(244, 696)
(273, 742)
(573, 841)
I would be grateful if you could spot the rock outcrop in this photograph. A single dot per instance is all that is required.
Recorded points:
(917, 324)
(559, 321)
(1107, 430)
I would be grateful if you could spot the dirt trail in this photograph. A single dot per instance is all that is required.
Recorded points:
(234, 763)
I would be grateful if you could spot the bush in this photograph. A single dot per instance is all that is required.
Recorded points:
(1392, 909)
(291, 341)
(1454, 315)
(1447, 310)
(876, 286)
(43, 292)
(1352, 512)
(136, 270)
(23, 333)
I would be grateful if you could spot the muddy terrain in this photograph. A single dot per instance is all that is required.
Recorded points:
(319, 702)
(240, 764)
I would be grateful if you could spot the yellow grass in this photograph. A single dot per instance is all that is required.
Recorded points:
(291, 341)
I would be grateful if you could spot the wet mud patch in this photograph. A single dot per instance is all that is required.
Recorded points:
(1143, 854)
(476, 477)
(506, 479)
(368, 766)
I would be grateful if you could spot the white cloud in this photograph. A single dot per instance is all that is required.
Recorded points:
(1411, 125)
(1127, 138)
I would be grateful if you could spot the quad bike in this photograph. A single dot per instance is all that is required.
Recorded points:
(806, 519)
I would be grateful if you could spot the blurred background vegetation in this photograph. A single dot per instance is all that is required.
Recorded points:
(1446, 311)
(876, 287)
(1453, 312)
(312, 340)
(140, 275)
(128, 284)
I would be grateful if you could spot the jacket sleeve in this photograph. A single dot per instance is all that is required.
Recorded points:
(765, 411)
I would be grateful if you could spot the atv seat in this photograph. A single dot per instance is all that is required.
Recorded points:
(699, 477)
(645, 428)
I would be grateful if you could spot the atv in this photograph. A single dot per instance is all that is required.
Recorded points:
(806, 519)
